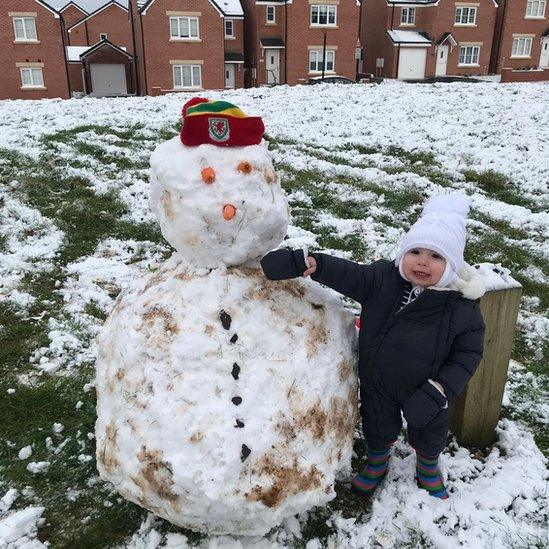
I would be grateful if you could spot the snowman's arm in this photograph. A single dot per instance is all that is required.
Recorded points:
(351, 279)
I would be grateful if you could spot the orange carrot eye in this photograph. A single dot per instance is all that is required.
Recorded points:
(244, 167)
(229, 211)
(208, 175)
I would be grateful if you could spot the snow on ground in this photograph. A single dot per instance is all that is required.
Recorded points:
(497, 501)
(485, 126)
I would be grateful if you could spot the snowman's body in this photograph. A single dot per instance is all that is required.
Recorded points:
(226, 402)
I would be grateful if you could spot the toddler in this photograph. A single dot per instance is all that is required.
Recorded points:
(421, 335)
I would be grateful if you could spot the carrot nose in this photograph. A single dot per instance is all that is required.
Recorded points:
(229, 211)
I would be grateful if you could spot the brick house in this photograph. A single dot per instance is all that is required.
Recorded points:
(72, 13)
(109, 22)
(416, 39)
(100, 52)
(191, 45)
(32, 58)
(285, 39)
(522, 35)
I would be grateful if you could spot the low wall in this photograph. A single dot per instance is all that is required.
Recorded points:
(512, 75)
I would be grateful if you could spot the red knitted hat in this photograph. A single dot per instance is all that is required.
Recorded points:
(219, 123)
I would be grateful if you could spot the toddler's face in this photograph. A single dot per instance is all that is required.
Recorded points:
(423, 267)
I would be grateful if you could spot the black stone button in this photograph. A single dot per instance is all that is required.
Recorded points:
(244, 453)
(239, 424)
(234, 338)
(225, 319)
(236, 370)
(236, 401)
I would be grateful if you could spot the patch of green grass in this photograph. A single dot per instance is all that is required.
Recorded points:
(28, 416)
(499, 186)
(361, 149)
(72, 204)
(128, 230)
(413, 156)
(102, 156)
(65, 136)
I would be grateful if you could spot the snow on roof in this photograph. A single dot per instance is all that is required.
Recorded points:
(88, 6)
(418, 2)
(231, 8)
(74, 52)
(408, 37)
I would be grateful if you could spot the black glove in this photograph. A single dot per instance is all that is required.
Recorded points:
(424, 405)
(285, 263)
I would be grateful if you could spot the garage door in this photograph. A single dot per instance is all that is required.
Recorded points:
(412, 63)
(108, 79)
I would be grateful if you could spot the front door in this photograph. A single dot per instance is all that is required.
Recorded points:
(544, 56)
(272, 66)
(229, 75)
(442, 60)
(108, 79)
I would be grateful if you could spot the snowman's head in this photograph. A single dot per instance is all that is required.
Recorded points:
(218, 203)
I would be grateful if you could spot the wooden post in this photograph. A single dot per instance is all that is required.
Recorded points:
(476, 411)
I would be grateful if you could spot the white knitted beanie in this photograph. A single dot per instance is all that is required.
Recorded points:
(440, 228)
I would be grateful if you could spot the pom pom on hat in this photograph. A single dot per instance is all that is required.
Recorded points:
(440, 228)
(219, 123)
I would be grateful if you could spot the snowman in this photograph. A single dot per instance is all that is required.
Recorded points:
(226, 402)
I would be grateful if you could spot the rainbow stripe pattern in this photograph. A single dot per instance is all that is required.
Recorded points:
(429, 477)
(366, 482)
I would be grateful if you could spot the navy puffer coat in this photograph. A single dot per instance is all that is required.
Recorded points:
(438, 336)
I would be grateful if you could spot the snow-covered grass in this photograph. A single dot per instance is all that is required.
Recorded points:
(356, 162)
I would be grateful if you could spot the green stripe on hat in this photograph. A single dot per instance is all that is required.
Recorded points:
(211, 106)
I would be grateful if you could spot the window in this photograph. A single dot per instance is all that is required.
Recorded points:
(25, 28)
(187, 76)
(316, 62)
(466, 16)
(408, 16)
(102, 36)
(271, 14)
(32, 78)
(323, 15)
(535, 8)
(522, 47)
(468, 55)
(229, 28)
(184, 27)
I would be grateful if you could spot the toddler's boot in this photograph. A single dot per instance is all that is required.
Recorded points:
(366, 482)
(429, 477)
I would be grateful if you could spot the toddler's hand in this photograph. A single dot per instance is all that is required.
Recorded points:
(311, 263)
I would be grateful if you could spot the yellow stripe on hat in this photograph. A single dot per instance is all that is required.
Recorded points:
(236, 112)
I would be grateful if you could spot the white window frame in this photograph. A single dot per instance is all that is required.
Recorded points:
(35, 78)
(195, 83)
(315, 58)
(535, 9)
(231, 34)
(180, 22)
(466, 16)
(408, 16)
(474, 56)
(330, 11)
(269, 20)
(522, 47)
(24, 37)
